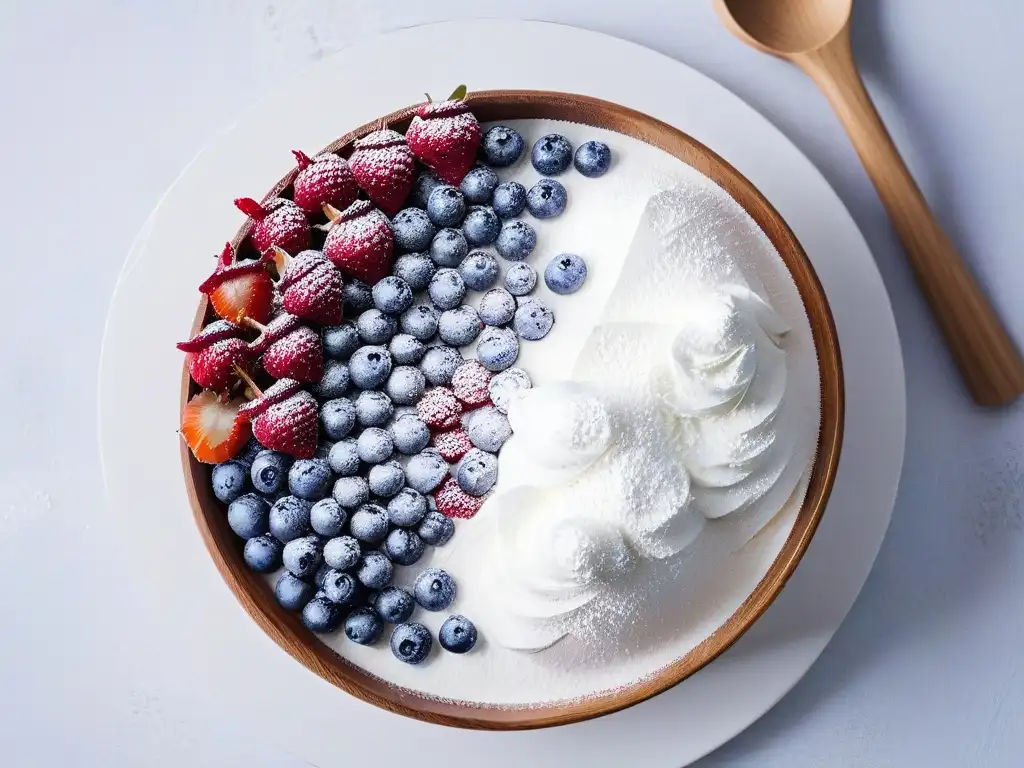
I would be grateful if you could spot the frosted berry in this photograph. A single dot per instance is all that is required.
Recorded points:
(323, 179)
(263, 553)
(446, 289)
(376, 570)
(409, 434)
(413, 230)
(229, 481)
(434, 589)
(593, 159)
(501, 146)
(533, 320)
(342, 553)
(322, 616)
(406, 349)
(369, 367)
(369, 524)
(478, 185)
(497, 307)
(356, 297)
(404, 547)
(327, 518)
(309, 479)
(425, 471)
(459, 326)
(436, 529)
(277, 222)
(509, 199)
(392, 295)
(445, 137)
(477, 472)
(394, 605)
(334, 382)
(498, 348)
(343, 458)
(387, 479)
(291, 592)
(551, 154)
(520, 279)
(411, 643)
(565, 273)
(546, 199)
(376, 327)
(415, 269)
(457, 635)
(289, 518)
(363, 626)
(471, 383)
(440, 363)
(337, 417)
(374, 445)
(516, 240)
(439, 408)
(452, 501)
(405, 385)
(373, 409)
(302, 556)
(340, 341)
(351, 491)
(360, 241)
(384, 168)
(488, 428)
(507, 386)
(419, 321)
(448, 248)
(481, 225)
(446, 206)
(249, 516)
(407, 508)
(452, 444)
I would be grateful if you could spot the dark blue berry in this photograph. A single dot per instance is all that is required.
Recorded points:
(318, 578)
(363, 626)
(508, 385)
(481, 225)
(321, 616)
(546, 199)
(342, 553)
(249, 516)
(419, 321)
(328, 518)
(352, 491)
(309, 479)
(425, 471)
(477, 473)
(533, 320)
(497, 307)
(439, 364)
(411, 643)
(405, 385)
(593, 159)
(446, 206)
(516, 240)
(413, 230)
(229, 481)
(356, 297)
(416, 269)
(436, 529)
(369, 367)
(369, 524)
(374, 445)
(479, 270)
(392, 295)
(478, 185)
(509, 199)
(373, 409)
(334, 382)
(337, 417)
(343, 458)
(289, 518)
(488, 429)
(551, 154)
(406, 349)
(409, 434)
(394, 605)
(498, 348)
(292, 593)
(446, 288)
(434, 589)
(448, 248)
(403, 546)
(263, 553)
(520, 279)
(386, 479)
(341, 588)
(458, 634)
(248, 454)
(501, 146)
(565, 274)
(375, 571)
(302, 556)
(340, 341)
(421, 188)
(323, 449)
(269, 472)
(458, 327)
(375, 327)
(407, 508)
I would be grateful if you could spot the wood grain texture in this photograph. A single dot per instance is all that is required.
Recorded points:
(815, 35)
(287, 630)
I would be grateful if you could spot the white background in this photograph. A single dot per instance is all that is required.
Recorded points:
(102, 106)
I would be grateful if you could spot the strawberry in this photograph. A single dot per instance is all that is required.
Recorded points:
(284, 418)
(452, 501)
(290, 350)
(277, 222)
(360, 241)
(212, 428)
(384, 168)
(326, 178)
(453, 444)
(241, 288)
(439, 408)
(471, 383)
(311, 288)
(213, 354)
(445, 137)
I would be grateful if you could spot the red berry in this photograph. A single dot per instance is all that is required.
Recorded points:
(384, 168)
(439, 408)
(288, 425)
(213, 354)
(299, 355)
(453, 444)
(360, 242)
(238, 289)
(277, 222)
(452, 501)
(470, 383)
(311, 288)
(445, 136)
(213, 428)
(325, 179)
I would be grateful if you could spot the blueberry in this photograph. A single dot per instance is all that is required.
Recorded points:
(419, 321)
(416, 269)
(374, 445)
(323, 449)
(319, 576)
(352, 491)
(509, 199)
(501, 146)
(407, 508)
(376, 571)
(436, 529)
(566, 273)
(479, 270)
(327, 517)
(334, 382)
(342, 553)
(411, 643)
(551, 154)
(458, 327)
(373, 409)
(406, 349)
(546, 199)
(394, 605)
(392, 295)
(403, 546)
(289, 518)
(405, 385)
(434, 589)
(309, 479)
(497, 307)
(481, 225)
(263, 553)
(340, 341)
(363, 626)
(507, 386)
(375, 327)
(516, 240)
(409, 434)
(386, 479)
(321, 616)
(520, 279)
(249, 453)
(593, 158)
(425, 471)
(458, 634)
(413, 230)
(269, 472)
(341, 588)
(425, 183)
(439, 364)
(446, 206)
(356, 297)
(337, 417)
(446, 288)
(498, 348)
(302, 556)
(369, 367)
(249, 516)
(448, 248)
(533, 320)
(488, 429)
(343, 458)
(477, 473)
(229, 480)
(369, 524)
(292, 593)
(478, 185)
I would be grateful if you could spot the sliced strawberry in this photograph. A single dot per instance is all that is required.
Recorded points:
(290, 425)
(445, 137)
(453, 444)
(452, 501)
(471, 383)
(212, 427)
(311, 288)
(218, 330)
(273, 331)
(242, 288)
(280, 390)
(277, 222)
(384, 168)
(325, 179)
(360, 241)
(439, 408)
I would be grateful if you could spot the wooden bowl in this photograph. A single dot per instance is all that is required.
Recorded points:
(287, 630)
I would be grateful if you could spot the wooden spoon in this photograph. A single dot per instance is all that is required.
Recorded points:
(815, 35)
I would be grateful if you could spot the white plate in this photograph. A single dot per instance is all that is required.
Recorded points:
(210, 643)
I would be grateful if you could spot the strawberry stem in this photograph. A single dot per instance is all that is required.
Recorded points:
(332, 213)
(248, 380)
(250, 208)
(249, 322)
(302, 159)
(429, 100)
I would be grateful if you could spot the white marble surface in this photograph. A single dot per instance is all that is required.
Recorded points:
(104, 105)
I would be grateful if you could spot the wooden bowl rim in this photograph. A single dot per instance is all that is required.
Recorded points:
(287, 630)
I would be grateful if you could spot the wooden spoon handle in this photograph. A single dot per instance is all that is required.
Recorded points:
(988, 360)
